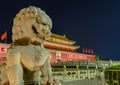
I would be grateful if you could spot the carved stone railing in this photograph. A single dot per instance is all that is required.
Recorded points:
(94, 76)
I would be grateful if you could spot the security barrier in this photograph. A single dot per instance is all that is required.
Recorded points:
(112, 76)
(78, 76)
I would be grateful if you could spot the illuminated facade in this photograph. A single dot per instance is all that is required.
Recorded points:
(61, 48)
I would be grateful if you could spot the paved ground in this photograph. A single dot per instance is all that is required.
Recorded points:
(84, 82)
(78, 81)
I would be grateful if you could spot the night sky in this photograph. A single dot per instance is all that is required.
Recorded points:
(93, 24)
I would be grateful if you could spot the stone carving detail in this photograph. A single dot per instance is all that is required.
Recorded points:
(31, 25)
(30, 28)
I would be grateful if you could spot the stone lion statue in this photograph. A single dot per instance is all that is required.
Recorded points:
(31, 25)
(27, 55)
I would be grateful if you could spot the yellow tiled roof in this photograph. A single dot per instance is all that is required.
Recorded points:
(62, 37)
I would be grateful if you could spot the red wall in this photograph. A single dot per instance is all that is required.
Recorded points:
(60, 56)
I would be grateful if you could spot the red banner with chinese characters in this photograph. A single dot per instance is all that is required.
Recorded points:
(62, 56)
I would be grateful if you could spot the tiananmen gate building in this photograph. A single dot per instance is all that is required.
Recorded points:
(61, 48)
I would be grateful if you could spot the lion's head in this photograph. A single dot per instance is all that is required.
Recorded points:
(31, 25)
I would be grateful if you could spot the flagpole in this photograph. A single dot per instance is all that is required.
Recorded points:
(6, 38)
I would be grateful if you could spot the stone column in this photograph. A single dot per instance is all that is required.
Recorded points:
(64, 71)
(78, 72)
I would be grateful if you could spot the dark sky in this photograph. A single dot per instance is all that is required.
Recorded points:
(93, 24)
